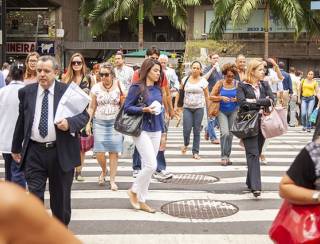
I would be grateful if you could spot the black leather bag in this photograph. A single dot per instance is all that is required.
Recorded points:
(181, 93)
(246, 124)
(129, 124)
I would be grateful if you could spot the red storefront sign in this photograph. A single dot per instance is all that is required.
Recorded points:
(20, 47)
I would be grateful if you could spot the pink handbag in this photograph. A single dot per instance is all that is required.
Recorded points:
(275, 123)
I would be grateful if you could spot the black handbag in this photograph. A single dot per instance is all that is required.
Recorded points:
(129, 124)
(246, 124)
(181, 93)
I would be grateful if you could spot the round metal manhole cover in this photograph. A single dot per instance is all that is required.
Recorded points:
(190, 179)
(199, 209)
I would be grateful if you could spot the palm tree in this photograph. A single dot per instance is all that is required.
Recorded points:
(290, 12)
(103, 13)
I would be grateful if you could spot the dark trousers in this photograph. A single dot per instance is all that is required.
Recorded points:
(12, 171)
(42, 163)
(253, 147)
(161, 161)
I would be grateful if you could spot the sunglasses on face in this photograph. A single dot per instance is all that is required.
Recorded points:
(230, 76)
(104, 74)
(76, 62)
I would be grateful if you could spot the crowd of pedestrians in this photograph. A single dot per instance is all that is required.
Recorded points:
(32, 143)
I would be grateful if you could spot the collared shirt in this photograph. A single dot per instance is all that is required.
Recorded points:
(173, 81)
(274, 82)
(9, 110)
(35, 135)
(214, 77)
(295, 83)
(2, 80)
(256, 89)
(124, 75)
(287, 82)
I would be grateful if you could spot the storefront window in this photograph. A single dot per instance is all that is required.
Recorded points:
(24, 22)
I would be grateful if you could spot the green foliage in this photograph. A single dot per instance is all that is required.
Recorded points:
(228, 48)
(293, 13)
(103, 13)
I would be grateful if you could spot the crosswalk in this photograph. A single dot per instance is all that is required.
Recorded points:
(103, 216)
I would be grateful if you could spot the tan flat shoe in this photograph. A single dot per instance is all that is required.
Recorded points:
(184, 149)
(133, 199)
(146, 208)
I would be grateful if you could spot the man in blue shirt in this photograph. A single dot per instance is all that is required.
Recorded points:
(2, 81)
(212, 73)
(287, 85)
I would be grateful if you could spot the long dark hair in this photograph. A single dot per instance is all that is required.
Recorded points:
(143, 74)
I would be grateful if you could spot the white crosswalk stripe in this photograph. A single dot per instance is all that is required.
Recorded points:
(100, 215)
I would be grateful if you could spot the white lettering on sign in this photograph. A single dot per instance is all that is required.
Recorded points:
(20, 47)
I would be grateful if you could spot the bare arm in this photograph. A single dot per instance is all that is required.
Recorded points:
(91, 111)
(293, 193)
(208, 74)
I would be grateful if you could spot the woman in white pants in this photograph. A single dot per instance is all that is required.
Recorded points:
(147, 144)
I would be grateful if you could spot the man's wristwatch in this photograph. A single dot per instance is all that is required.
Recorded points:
(316, 196)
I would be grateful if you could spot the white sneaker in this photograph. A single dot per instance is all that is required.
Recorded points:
(135, 173)
(162, 175)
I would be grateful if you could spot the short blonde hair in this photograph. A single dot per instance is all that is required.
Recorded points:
(252, 66)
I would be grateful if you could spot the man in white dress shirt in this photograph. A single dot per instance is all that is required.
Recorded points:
(44, 149)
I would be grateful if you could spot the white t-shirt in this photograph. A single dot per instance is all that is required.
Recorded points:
(108, 103)
(193, 93)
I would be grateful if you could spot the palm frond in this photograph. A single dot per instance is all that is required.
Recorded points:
(242, 11)
(222, 10)
(290, 12)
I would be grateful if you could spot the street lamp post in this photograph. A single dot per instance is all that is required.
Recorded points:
(37, 32)
(3, 28)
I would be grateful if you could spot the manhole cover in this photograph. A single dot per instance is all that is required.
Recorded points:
(191, 179)
(199, 209)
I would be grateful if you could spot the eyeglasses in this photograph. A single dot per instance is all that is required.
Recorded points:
(104, 74)
(76, 63)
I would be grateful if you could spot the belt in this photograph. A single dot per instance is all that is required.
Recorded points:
(50, 144)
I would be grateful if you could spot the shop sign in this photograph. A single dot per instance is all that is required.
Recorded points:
(20, 47)
(45, 47)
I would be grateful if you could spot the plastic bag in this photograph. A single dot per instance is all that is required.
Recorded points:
(314, 115)
(128, 147)
(296, 224)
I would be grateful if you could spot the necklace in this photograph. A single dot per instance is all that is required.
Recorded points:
(108, 88)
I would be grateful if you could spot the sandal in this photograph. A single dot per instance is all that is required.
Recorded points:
(133, 199)
(224, 162)
(196, 156)
(113, 186)
(146, 208)
(101, 180)
(184, 149)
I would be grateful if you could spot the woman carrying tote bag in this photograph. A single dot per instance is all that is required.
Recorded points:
(254, 95)
(148, 142)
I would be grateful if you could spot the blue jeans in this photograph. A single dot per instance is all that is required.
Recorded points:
(307, 104)
(226, 120)
(212, 123)
(192, 119)
(161, 161)
(12, 171)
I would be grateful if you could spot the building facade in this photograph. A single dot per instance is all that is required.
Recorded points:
(303, 53)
